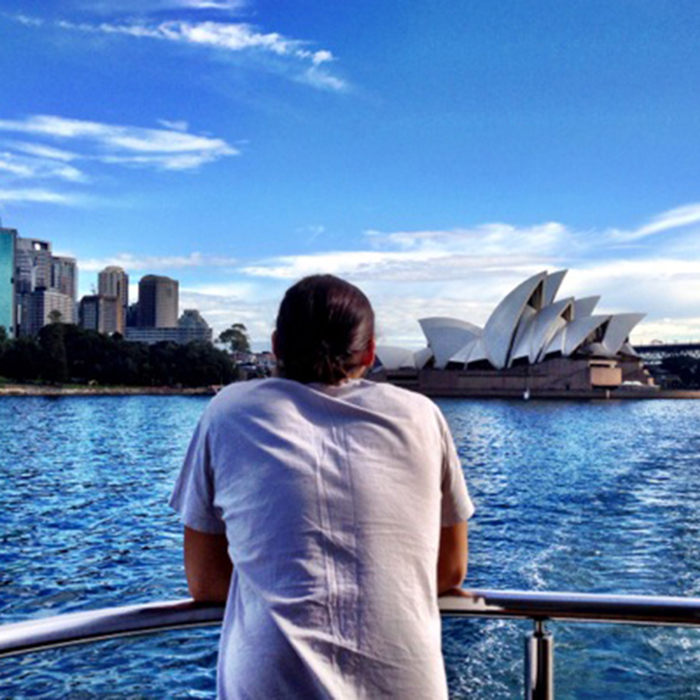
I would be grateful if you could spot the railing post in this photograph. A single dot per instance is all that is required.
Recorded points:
(539, 664)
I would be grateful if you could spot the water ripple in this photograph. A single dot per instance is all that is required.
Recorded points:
(598, 497)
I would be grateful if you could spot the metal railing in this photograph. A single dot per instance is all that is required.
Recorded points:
(73, 628)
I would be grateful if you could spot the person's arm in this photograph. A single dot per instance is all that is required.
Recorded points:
(452, 557)
(207, 566)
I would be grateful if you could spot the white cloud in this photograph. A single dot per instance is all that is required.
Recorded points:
(322, 56)
(355, 263)
(239, 306)
(668, 330)
(42, 151)
(39, 196)
(226, 290)
(169, 149)
(29, 21)
(432, 255)
(465, 272)
(680, 217)
(188, 161)
(23, 167)
(136, 263)
(462, 273)
(24, 162)
(148, 6)
(319, 78)
(115, 136)
(487, 239)
(178, 125)
(220, 36)
(229, 5)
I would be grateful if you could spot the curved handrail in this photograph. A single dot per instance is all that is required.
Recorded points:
(581, 607)
(73, 628)
(107, 623)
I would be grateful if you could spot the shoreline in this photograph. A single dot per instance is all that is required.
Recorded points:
(48, 390)
(57, 390)
(592, 395)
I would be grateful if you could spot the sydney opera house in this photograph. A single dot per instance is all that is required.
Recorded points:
(531, 343)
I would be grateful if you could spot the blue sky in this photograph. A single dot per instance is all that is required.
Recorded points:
(434, 153)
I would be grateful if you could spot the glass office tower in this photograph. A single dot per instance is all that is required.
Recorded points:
(8, 237)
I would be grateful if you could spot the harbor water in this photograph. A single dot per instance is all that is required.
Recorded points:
(598, 497)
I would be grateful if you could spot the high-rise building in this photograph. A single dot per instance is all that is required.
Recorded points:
(33, 265)
(32, 272)
(114, 282)
(64, 276)
(43, 307)
(158, 302)
(132, 315)
(100, 313)
(8, 238)
(44, 283)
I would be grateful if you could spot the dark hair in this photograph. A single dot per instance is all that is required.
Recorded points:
(324, 328)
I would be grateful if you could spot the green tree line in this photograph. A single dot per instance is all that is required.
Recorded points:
(67, 353)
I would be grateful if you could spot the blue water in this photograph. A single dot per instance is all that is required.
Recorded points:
(597, 497)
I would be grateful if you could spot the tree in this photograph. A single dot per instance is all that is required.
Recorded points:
(22, 360)
(236, 338)
(53, 349)
(55, 316)
(4, 345)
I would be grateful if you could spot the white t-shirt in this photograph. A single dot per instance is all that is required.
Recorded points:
(332, 499)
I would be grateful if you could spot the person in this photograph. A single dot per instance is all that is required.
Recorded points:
(328, 512)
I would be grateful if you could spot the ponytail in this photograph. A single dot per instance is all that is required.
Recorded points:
(325, 327)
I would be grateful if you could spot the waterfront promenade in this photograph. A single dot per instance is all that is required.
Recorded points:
(58, 390)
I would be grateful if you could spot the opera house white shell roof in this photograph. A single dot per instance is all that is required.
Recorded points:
(527, 326)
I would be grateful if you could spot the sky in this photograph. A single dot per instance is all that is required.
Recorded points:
(434, 153)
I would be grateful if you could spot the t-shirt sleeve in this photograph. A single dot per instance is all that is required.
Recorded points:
(193, 495)
(457, 506)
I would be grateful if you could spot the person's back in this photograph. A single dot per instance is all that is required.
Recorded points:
(332, 499)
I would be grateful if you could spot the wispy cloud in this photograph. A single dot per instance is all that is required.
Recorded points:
(25, 162)
(453, 254)
(668, 221)
(487, 239)
(313, 232)
(322, 79)
(179, 125)
(28, 21)
(144, 6)
(43, 151)
(30, 167)
(235, 304)
(229, 5)
(138, 263)
(430, 255)
(312, 64)
(39, 196)
(462, 273)
(161, 149)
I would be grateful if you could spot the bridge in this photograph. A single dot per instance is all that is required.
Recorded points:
(656, 352)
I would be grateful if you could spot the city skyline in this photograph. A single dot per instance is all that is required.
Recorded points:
(434, 155)
(38, 288)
